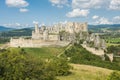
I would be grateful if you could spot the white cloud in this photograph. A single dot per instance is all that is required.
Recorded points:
(59, 3)
(116, 20)
(35, 22)
(116, 17)
(78, 13)
(63, 22)
(115, 5)
(16, 25)
(95, 17)
(23, 10)
(87, 3)
(17, 3)
(103, 20)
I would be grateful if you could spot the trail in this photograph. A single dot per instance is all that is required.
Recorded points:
(64, 50)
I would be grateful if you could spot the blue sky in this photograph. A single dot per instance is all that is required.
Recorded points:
(23, 13)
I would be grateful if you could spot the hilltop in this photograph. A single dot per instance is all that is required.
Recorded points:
(3, 28)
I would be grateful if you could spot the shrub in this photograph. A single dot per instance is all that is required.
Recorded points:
(114, 76)
(60, 66)
(15, 65)
(80, 55)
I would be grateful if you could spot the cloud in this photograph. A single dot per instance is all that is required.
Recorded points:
(17, 3)
(23, 10)
(16, 25)
(116, 20)
(59, 3)
(13, 25)
(35, 22)
(78, 13)
(87, 3)
(103, 20)
(95, 17)
(115, 5)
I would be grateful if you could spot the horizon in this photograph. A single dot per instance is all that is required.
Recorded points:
(23, 13)
(40, 25)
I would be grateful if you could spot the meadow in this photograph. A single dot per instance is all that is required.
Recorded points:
(86, 72)
(79, 71)
(45, 52)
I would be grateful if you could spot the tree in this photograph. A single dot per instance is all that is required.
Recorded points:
(15, 65)
(60, 66)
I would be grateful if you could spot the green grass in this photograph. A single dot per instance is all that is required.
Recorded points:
(113, 40)
(85, 72)
(110, 44)
(45, 52)
(1, 44)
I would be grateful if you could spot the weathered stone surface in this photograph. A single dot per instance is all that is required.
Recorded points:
(45, 36)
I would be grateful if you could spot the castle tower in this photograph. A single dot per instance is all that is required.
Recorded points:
(36, 28)
(45, 35)
(36, 32)
(85, 27)
(97, 41)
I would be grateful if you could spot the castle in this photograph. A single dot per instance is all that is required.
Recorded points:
(52, 33)
(58, 34)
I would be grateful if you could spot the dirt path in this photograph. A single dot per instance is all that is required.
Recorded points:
(65, 50)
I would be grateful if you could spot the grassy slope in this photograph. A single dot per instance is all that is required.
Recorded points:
(86, 72)
(45, 52)
(79, 72)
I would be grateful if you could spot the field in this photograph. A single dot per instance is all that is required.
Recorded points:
(86, 72)
(45, 52)
(113, 41)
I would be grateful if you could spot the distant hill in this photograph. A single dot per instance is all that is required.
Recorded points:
(17, 32)
(104, 28)
(2, 28)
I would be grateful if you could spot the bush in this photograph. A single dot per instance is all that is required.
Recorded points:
(114, 76)
(80, 55)
(15, 65)
(60, 66)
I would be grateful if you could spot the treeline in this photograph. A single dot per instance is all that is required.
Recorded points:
(18, 32)
(16, 64)
(4, 40)
(114, 49)
(5, 36)
(110, 35)
(79, 55)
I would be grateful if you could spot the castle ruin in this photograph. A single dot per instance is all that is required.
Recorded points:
(56, 35)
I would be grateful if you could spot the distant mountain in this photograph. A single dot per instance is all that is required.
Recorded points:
(104, 28)
(2, 28)
(17, 32)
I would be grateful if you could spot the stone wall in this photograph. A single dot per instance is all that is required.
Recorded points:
(35, 43)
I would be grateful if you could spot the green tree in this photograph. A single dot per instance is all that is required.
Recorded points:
(15, 65)
(60, 66)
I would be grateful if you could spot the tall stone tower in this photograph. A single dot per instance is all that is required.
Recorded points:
(36, 28)
(36, 32)
(45, 35)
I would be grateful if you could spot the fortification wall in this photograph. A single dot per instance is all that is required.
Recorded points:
(35, 43)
